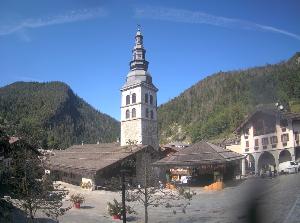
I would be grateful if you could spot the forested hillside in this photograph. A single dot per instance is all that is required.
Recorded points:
(53, 115)
(215, 106)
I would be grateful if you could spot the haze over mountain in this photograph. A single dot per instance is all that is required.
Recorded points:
(53, 115)
(213, 107)
(210, 109)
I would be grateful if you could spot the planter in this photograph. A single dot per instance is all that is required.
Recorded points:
(117, 217)
(77, 205)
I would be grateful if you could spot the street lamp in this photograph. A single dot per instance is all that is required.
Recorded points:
(123, 172)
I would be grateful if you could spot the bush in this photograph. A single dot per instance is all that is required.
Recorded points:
(115, 208)
(77, 198)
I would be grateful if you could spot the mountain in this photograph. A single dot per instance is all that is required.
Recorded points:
(53, 115)
(213, 108)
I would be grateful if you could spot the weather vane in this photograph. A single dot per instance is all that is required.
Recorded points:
(139, 27)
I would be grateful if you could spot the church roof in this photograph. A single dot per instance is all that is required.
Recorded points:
(138, 73)
(201, 153)
(90, 158)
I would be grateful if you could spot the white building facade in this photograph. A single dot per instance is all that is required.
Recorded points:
(269, 137)
(139, 101)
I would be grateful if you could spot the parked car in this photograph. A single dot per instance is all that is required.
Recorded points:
(288, 167)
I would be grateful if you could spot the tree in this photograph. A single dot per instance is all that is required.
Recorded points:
(150, 192)
(31, 190)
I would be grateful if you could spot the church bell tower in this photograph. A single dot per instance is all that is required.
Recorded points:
(139, 101)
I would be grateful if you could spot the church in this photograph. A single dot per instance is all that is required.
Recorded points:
(139, 101)
(96, 165)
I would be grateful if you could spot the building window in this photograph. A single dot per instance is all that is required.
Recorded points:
(273, 139)
(151, 99)
(256, 142)
(247, 144)
(133, 98)
(127, 99)
(297, 136)
(284, 138)
(151, 113)
(146, 98)
(265, 141)
(127, 114)
(147, 112)
(133, 113)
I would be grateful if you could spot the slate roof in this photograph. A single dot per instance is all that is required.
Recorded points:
(175, 146)
(198, 154)
(269, 111)
(90, 158)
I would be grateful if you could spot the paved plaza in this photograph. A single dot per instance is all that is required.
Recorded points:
(255, 199)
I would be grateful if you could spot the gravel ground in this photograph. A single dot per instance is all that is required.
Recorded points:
(255, 199)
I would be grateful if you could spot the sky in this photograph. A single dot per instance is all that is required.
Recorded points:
(87, 44)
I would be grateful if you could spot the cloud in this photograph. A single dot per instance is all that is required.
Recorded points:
(68, 17)
(186, 16)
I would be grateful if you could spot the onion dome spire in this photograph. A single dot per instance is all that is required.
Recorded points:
(139, 61)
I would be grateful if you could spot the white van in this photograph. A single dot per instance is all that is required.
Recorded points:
(288, 167)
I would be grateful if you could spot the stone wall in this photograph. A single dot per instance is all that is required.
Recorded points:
(131, 130)
(150, 133)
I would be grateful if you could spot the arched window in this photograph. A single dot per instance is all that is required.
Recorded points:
(151, 99)
(127, 99)
(146, 98)
(147, 112)
(133, 113)
(151, 114)
(127, 114)
(133, 100)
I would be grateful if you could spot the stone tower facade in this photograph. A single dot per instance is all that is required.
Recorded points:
(139, 101)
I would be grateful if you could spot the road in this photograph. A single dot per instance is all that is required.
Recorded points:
(275, 200)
